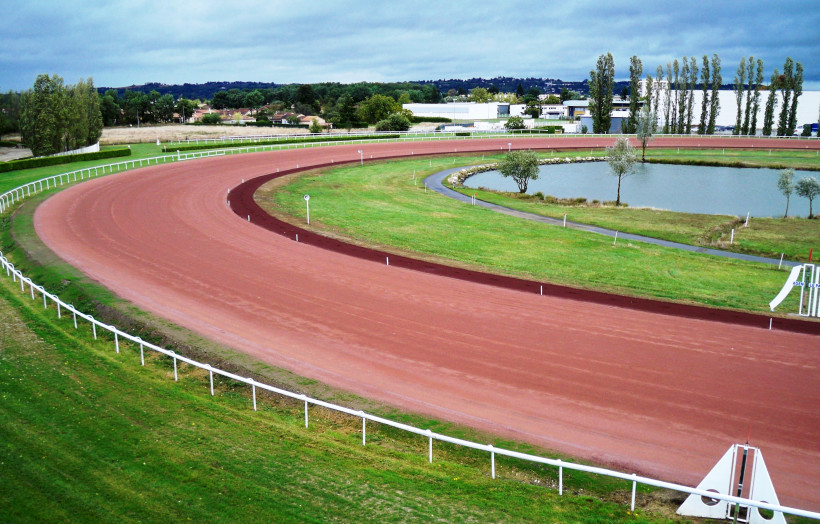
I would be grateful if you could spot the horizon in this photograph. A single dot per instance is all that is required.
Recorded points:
(314, 42)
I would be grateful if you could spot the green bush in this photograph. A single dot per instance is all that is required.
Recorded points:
(8, 143)
(462, 133)
(26, 163)
(260, 123)
(211, 119)
(246, 143)
(433, 119)
(394, 122)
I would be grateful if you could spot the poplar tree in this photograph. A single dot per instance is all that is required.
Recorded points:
(667, 99)
(750, 71)
(740, 80)
(635, 72)
(674, 118)
(756, 99)
(704, 106)
(601, 81)
(798, 90)
(44, 116)
(771, 102)
(786, 83)
(683, 88)
(649, 92)
(715, 99)
(656, 103)
(690, 101)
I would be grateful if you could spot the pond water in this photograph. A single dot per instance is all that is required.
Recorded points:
(690, 189)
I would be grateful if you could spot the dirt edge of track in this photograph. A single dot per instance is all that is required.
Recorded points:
(242, 202)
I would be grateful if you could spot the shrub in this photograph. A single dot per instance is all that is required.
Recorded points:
(211, 118)
(314, 126)
(514, 122)
(26, 163)
(433, 119)
(394, 122)
(463, 133)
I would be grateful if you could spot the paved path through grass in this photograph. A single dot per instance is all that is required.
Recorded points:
(436, 183)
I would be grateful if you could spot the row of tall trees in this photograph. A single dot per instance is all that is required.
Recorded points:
(671, 95)
(790, 84)
(55, 117)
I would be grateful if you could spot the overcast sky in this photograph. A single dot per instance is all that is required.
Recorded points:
(127, 42)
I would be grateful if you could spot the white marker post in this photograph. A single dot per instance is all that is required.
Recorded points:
(509, 147)
(307, 206)
(747, 219)
(361, 157)
(732, 238)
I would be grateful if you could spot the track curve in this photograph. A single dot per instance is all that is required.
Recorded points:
(640, 390)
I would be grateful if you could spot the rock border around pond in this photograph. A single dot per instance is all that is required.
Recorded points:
(463, 174)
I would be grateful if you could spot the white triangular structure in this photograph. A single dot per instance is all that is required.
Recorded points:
(721, 479)
(763, 490)
(718, 480)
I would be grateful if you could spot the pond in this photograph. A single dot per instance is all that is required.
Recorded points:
(689, 189)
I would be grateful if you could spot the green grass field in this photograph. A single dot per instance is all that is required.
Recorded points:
(88, 434)
(380, 204)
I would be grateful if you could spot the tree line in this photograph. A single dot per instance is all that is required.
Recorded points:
(55, 117)
(670, 94)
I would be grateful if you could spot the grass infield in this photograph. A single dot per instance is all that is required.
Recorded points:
(384, 205)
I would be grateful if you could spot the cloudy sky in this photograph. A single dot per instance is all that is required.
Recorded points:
(127, 42)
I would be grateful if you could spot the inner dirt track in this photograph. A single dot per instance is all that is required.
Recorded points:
(636, 389)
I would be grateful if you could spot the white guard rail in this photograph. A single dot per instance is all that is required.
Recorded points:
(117, 334)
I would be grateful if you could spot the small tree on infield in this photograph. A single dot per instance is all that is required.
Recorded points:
(808, 187)
(646, 127)
(522, 166)
(785, 183)
(621, 158)
(315, 127)
(514, 122)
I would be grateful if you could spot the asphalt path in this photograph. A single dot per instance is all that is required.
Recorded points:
(436, 183)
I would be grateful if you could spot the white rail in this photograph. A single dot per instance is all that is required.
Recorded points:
(61, 306)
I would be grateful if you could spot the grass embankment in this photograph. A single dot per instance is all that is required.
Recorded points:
(13, 179)
(768, 237)
(89, 434)
(380, 204)
(771, 158)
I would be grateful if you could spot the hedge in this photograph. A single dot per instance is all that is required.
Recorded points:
(434, 119)
(252, 143)
(27, 163)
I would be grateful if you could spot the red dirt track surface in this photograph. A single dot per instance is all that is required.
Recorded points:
(638, 390)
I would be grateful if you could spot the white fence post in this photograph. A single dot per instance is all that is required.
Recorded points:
(306, 410)
(253, 391)
(492, 461)
(176, 377)
(560, 478)
(430, 447)
(364, 429)
(211, 373)
(634, 485)
(116, 337)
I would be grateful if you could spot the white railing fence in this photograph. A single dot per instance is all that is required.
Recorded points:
(117, 334)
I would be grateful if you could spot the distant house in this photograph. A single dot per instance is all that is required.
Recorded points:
(282, 117)
(309, 120)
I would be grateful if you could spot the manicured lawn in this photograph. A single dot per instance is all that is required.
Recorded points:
(91, 435)
(379, 204)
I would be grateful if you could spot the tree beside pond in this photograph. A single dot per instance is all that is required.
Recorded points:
(647, 126)
(521, 166)
(621, 158)
(808, 187)
(785, 183)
